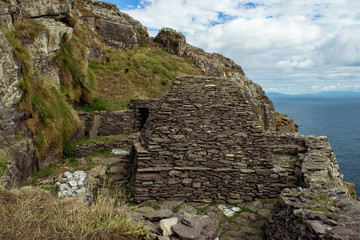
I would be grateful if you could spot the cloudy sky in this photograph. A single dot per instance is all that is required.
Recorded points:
(285, 46)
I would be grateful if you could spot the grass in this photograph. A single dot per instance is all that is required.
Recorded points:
(176, 208)
(36, 213)
(103, 139)
(44, 173)
(50, 118)
(141, 72)
(3, 165)
(320, 203)
(269, 201)
(203, 210)
(27, 27)
(77, 83)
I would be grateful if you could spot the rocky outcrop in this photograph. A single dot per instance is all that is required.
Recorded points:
(41, 8)
(118, 29)
(284, 124)
(11, 92)
(44, 29)
(322, 208)
(47, 45)
(220, 66)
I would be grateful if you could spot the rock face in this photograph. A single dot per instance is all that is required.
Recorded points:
(220, 66)
(10, 91)
(48, 26)
(40, 8)
(284, 124)
(118, 29)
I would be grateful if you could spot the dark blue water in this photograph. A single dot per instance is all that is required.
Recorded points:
(337, 118)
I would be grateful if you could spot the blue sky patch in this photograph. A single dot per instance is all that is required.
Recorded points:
(125, 4)
(250, 5)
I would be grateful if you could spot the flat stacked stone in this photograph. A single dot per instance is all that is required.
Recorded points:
(204, 142)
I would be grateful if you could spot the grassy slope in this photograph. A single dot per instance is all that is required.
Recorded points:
(142, 72)
(32, 213)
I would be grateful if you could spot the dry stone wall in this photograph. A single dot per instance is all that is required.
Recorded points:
(119, 122)
(217, 65)
(205, 142)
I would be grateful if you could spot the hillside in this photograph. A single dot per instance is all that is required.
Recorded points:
(88, 55)
(80, 79)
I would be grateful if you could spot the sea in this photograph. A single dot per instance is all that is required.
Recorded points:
(338, 118)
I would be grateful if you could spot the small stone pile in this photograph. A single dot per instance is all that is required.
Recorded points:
(229, 212)
(72, 184)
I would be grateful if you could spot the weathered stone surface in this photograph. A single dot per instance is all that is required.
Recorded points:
(166, 224)
(292, 217)
(10, 91)
(93, 133)
(284, 124)
(30, 8)
(157, 215)
(46, 46)
(202, 228)
(7, 7)
(220, 66)
(118, 29)
(193, 137)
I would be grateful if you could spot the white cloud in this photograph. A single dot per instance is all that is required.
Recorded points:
(288, 45)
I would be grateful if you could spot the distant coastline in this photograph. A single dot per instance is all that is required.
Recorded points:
(333, 94)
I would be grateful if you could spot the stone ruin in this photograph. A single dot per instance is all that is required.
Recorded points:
(205, 142)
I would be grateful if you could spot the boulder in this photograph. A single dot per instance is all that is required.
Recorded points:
(166, 224)
(174, 41)
(118, 29)
(202, 227)
(157, 215)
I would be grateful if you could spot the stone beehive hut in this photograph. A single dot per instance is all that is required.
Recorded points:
(205, 142)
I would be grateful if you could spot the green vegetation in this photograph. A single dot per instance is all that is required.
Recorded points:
(50, 118)
(36, 213)
(321, 203)
(203, 209)
(53, 169)
(141, 72)
(27, 27)
(103, 139)
(3, 166)
(77, 82)
(269, 201)
(176, 208)
(247, 234)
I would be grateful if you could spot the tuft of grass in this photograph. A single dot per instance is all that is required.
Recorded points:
(36, 213)
(176, 208)
(68, 151)
(204, 209)
(43, 173)
(320, 203)
(141, 72)
(27, 27)
(269, 201)
(102, 139)
(3, 165)
(96, 104)
(77, 83)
